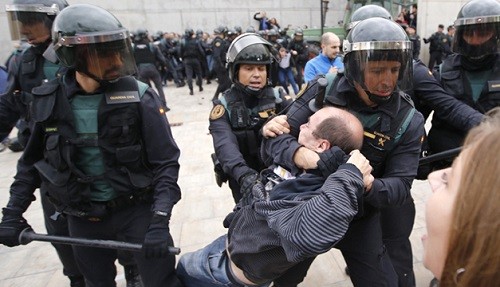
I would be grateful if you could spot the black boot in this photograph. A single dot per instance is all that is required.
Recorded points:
(132, 276)
(76, 281)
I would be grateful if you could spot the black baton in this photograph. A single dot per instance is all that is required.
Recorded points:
(439, 156)
(28, 235)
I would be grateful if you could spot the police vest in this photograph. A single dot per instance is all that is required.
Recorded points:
(246, 123)
(144, 54)
(190, 48)
(118, 138)
(381, 133)
(453, 79)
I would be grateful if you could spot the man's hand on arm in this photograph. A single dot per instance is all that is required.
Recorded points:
(305, 158)
(360, 161)
(275, 127)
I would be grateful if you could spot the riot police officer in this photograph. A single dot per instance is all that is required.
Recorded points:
(90, 151)
(376, 74)
(239, 113)
(219, 48)
(146, 56)
(191, 52)
(300, 54)
(471, 73)
(30, 69)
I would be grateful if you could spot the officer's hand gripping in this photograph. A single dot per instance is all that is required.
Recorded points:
(11, 227)
(247, 181)
(156, 242)
(330, 160)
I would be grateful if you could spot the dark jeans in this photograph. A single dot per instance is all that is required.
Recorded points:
(97, 264)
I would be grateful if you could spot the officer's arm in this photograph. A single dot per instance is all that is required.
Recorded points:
(10, 110)
(282, 149)
(226, 146)
(162, 152)
(446, 107)
(401, 164)
(27, 178)
(160, 57)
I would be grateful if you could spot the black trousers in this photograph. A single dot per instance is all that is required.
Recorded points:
(397, 224)
(193, 69)
(366, 257)
(56, 224)
(435, 58)
(224, 81)
(148, 73)
(97, 264)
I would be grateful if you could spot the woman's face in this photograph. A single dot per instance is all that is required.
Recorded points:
(438, 214)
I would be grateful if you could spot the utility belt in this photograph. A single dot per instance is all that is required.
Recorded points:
(98, 210)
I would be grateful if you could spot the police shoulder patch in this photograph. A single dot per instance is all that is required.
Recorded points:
(217, 112)
(217, 44)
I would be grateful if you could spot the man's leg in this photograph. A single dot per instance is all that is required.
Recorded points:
(365, 255)
(56, 224)
(397, 224)
(205, 267)
(96, 264)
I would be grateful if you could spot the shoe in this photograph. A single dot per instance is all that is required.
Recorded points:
(209, 82)
(434, 283)
(180, 85)
(76, 281)
(201, 89)
(15, 145)
(191, 92)
(132, 276)
(167, 109)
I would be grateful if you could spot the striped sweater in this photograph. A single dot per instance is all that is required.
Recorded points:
(307, 216)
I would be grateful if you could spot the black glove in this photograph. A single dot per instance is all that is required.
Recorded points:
(330, 160)
(11, 226)
(257, 193)
(247, 181)
(156, 242)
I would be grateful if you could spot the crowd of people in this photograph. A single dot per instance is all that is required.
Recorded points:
(330, 166)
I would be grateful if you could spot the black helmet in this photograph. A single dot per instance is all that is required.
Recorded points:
(199, 32)
(479, 18)
(189, 32)
(84, 36)
(298, 34)
(141, 36)
(366, 12)
(250, 29)
(220, 30)
(238, 29)
(250, 48)
(29, 12)
(378, 40)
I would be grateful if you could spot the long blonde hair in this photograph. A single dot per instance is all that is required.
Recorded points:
(473, 257)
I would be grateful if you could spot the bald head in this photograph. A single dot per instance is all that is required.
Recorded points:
(330, 45)
(329, 127)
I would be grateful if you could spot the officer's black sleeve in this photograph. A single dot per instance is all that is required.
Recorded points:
(226, 147)
(393, 188)
(281, 149)
(162, 152)
(10, 107)
(27, 178)
(159, 56)
(446, 107)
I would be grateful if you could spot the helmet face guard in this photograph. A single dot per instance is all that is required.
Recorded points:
(476, 37)
(101, 55)
(20, 16)
(384, 60)
(250, 48)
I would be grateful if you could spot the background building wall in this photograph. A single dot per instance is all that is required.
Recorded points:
(177, 15)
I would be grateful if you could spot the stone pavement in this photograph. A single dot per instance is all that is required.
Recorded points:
(197, 218)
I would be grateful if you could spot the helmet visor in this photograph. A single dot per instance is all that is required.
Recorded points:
(30, 22)
(379, 67)
(476, 37)
(104, 56)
